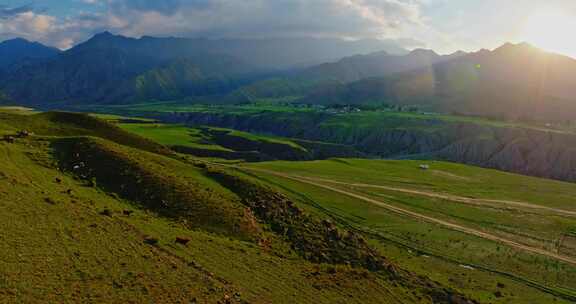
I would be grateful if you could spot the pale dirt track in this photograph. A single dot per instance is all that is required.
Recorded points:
(449, 197)
(405, 212)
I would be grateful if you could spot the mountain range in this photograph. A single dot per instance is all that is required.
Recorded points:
(341, 72)
(514, 81)
(116, 69)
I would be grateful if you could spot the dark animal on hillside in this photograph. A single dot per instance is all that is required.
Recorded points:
(23, 134)
(127, 212)
(9, 139)
(151, 241)
(106, 212)
(50, 201)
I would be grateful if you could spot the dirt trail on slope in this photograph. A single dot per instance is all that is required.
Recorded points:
(450, 197)
(426, 218)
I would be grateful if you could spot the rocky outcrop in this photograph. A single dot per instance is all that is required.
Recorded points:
(530, 152)
(535, 152)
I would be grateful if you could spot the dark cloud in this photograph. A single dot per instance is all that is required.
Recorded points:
(165, 7)
(8, 12)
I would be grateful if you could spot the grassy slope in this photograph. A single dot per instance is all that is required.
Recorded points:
(58, 245)
(71, 124)
(203, 141)
(443, 251)
(173, 135)
(64, 251)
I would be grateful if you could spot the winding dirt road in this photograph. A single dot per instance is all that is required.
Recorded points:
(449, 197)
(321, 184)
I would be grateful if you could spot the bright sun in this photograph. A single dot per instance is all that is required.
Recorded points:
(550, 30)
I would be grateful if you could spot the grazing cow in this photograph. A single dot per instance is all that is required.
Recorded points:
(50, 201)
(151, 241)
(127, 212)
(23, 134)
(182, 240)
(106, 212)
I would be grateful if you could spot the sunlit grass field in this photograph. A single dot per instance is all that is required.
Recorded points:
(435, 250)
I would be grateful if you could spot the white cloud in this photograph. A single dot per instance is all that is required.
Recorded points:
(232, 18)
(29, 24)
(392, 19)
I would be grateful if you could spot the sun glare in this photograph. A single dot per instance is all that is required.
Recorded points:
(550, 30)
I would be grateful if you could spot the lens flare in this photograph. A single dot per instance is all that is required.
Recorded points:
(548, 30)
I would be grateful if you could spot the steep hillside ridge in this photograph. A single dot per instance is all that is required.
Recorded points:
(320, 242)
(58, 247)
(230, 144)
(145, 179)
(542, 153)
(75, 124)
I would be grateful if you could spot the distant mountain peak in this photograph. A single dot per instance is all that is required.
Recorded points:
(458, 54)
(21, 42)
(104, 40)
(104, 34)
(17, 49)
(17, 40)
(516, 47)
(108, 36)
(424, 53)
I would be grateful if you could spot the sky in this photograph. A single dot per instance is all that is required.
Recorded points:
(443, 25)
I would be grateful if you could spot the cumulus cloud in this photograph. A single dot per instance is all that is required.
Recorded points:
(38, 25)
(25, 21)
(8, 12)
(351, 19)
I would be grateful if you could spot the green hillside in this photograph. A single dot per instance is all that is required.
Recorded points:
(222, 143)
(91, 213)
